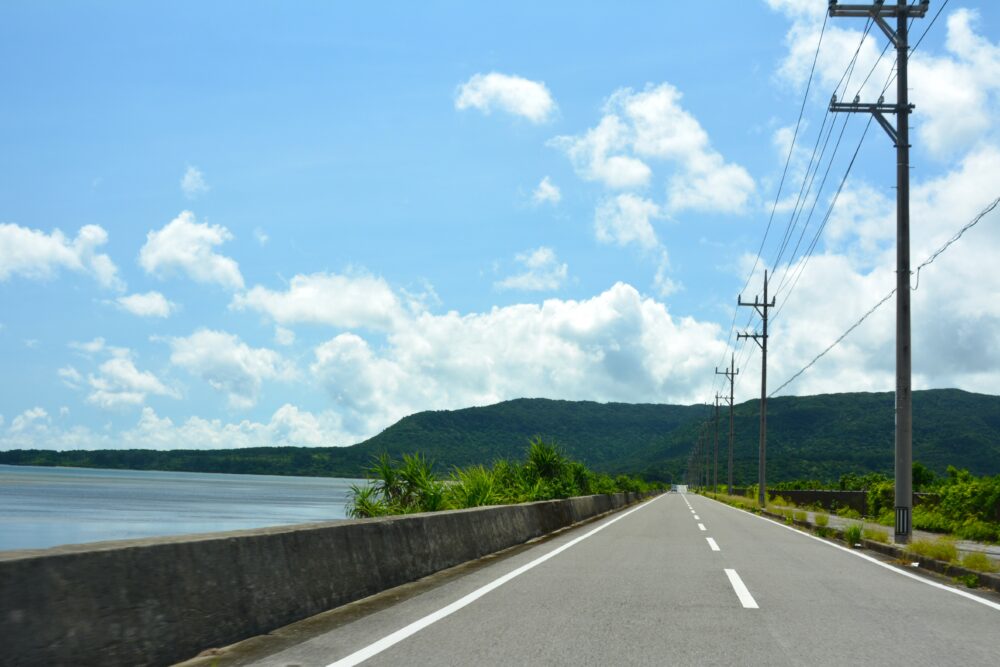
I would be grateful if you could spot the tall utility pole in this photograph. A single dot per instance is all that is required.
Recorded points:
(900, 135)
(761, 339)
(715, 465)
(706, 455)
(730, 373)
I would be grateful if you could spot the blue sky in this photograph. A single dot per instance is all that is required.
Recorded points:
(233, 224)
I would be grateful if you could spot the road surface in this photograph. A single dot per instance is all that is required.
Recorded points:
(680, 579)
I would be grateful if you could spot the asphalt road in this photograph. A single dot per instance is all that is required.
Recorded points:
(650, 588)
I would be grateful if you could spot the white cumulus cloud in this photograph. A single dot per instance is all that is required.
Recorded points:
(546, 192)
(345, 301)
(542, 271)
(229, 365)
(651, 125)
(627, 219)
(289, 425)
(600, 155)
(512, 94)
(617, 346)
(119, 382)
(33, 254)
(185, 245)
(193, 183)
(150, 304)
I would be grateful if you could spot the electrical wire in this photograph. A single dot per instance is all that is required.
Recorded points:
(784, 173)
(930, 260)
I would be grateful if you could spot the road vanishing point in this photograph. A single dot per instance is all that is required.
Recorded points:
(678, 580)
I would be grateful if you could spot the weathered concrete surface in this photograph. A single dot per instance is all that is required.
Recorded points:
(157, 601)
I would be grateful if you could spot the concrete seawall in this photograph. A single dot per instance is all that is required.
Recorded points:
(158, 601)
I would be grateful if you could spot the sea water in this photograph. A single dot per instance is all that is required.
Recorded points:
(43, 507)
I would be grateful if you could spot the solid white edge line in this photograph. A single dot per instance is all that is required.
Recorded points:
(712, 544)
(388, 641)
(701, 526)
(923, 580)
(741, 590)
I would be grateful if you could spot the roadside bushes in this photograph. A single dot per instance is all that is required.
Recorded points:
(965, 506)
(546, 474)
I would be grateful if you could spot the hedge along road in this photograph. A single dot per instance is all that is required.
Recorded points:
(648, 586)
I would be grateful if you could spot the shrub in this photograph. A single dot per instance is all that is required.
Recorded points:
(852, 534)
(544, 459)
(472, 487)
(412, 486)
(979, 562)
(821, 520)
(881, 497)
(927, 518)
(943, 549)
(886, 517)
(979, 531)
(848, 513)
(970, 580)
(800, 516)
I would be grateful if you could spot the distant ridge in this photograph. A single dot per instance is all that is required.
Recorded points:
(817, 437)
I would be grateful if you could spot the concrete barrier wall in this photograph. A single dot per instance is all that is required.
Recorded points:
(158, 601)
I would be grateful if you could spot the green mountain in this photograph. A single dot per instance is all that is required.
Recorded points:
(816, 437)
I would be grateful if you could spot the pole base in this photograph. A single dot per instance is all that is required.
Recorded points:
(903, 528)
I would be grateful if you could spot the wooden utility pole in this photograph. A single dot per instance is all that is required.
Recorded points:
(730, 373)
(762, 307)
(715, 465)
(900, 135)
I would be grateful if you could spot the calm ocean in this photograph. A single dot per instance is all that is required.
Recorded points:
(45, 507)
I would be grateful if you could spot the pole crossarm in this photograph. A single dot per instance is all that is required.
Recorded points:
(879, 10)
(755, 336)
(876, 109)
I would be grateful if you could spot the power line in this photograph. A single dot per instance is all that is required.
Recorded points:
(930, 25)
(788, 158)
(784, 173)
(819, 231)
(927, 262)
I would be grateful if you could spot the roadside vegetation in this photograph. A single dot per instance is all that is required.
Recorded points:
(410, 485)
(961, 505)
(956, 503)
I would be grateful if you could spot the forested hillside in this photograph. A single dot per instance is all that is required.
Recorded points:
(818, 437)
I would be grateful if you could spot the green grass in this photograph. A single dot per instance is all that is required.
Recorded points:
(943, 549)
(969, 580)
(875, 535)
(800, 516)
(738, 501)
(821, 520)
(852, 534)
(979, 562)
(782, 502)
